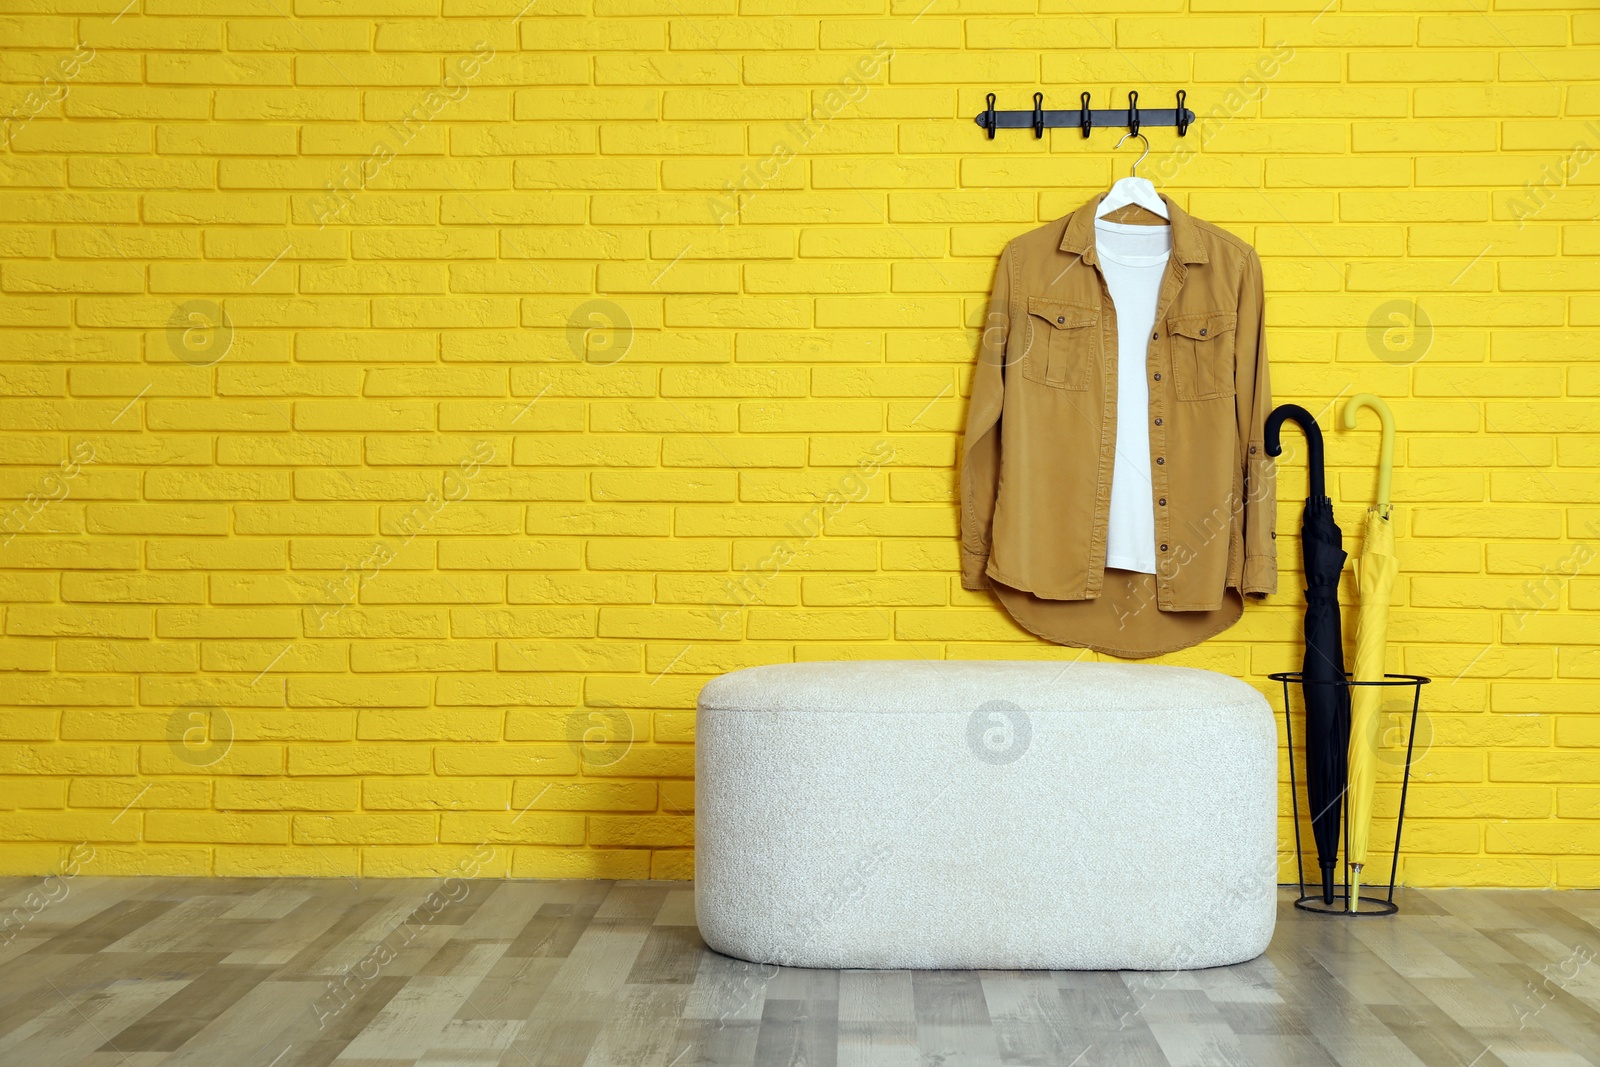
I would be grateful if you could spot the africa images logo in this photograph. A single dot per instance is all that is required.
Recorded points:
(999, 732)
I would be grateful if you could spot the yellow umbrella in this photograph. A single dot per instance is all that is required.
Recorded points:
(1375, 574)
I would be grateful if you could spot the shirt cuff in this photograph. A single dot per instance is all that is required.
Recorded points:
(1260, 574)
(972, 567)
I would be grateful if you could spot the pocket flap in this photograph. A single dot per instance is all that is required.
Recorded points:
(1062, 315)
(1205, 326)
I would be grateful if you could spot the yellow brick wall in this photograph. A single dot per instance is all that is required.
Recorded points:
(409, 404)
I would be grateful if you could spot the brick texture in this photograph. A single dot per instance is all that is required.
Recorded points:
(406, 407)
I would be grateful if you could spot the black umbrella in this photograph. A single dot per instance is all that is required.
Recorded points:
(1327, 702)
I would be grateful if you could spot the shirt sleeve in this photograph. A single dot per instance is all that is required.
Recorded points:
(1254, 393)
(980, 457)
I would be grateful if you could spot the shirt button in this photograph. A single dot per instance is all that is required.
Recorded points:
(1158, 422)
(1202, 333)
(1061, 318)
(1274, 535)
(1155, 337)
(1163, 548)
(1160, 461)
(1158, 376)
(1252, 450)
(1163, 503)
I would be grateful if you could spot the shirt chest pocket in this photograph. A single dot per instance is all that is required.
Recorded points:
(1202, 354)
(1063, 341)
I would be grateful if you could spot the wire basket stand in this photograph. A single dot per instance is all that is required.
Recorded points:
(1341, 902)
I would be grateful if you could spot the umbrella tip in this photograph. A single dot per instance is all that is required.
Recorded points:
(1327, 884)
(1355, 887)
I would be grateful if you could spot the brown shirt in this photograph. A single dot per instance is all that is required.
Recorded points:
(1041, 428)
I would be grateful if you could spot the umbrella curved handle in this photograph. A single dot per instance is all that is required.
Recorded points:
(1313, 432)
(1386, 449)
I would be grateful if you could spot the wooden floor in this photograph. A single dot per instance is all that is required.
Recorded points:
(289, 973)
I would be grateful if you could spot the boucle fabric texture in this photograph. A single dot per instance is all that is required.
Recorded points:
(996, 815)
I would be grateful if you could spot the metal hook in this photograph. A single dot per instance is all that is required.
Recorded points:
(1133, 111)
(1038, 115)
(1084, 122)
(1183, 113)
(1134, 170)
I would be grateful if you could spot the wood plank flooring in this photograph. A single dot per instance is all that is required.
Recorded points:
(304, 973)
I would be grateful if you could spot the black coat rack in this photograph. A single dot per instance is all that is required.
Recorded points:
(1084, 117)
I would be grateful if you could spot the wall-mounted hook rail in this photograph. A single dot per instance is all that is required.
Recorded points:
(1085, 118)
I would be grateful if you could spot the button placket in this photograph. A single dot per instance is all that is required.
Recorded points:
(1108, 422)
(1158, 411)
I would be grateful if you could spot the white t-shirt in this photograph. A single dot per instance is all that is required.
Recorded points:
(1134, 262)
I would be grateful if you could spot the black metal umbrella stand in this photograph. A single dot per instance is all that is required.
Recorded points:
(1341, 902)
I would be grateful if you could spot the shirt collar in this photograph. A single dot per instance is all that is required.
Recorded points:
(1079, 234)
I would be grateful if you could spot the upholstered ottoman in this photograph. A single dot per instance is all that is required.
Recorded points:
(990, 815)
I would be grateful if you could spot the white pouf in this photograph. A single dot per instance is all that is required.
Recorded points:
(996, 815)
